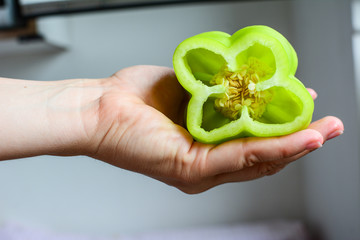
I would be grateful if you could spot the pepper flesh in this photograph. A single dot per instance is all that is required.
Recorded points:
(241, 85)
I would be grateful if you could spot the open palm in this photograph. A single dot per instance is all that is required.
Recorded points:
(140, 128)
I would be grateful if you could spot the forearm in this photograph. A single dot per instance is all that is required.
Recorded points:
(56, 117)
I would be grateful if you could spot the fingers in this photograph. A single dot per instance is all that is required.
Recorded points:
(239, 154)
(312, 93)
(329, 127)
(247, 174)
(251, 158)
(256, 171)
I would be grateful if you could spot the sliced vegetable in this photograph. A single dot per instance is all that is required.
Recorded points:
(241, 85)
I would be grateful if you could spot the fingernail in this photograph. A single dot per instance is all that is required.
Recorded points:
(334, 134)
(313, 145)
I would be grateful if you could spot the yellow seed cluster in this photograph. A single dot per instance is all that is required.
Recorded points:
(240, 91)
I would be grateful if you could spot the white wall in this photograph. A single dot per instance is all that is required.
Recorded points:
(79, 194)
(331, 177)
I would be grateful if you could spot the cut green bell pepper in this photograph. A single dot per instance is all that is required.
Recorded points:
(241, 85)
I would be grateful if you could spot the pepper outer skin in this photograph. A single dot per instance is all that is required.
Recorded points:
(200, 57)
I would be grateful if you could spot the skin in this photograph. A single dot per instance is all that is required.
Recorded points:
(134, 120)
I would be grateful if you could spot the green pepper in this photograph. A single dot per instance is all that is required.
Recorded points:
(241, 85)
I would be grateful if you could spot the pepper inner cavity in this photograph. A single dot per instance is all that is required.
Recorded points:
(241, 89)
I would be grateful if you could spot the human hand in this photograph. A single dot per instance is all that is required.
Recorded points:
(140, 128)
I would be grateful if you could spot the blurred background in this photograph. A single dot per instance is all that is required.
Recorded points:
(53, 40)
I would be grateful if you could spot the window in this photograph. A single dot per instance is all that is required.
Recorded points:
(356, 43)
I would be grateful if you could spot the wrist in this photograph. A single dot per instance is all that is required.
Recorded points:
(73, 114)
(52, 118)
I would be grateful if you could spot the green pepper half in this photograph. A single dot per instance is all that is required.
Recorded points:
(241, 85)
